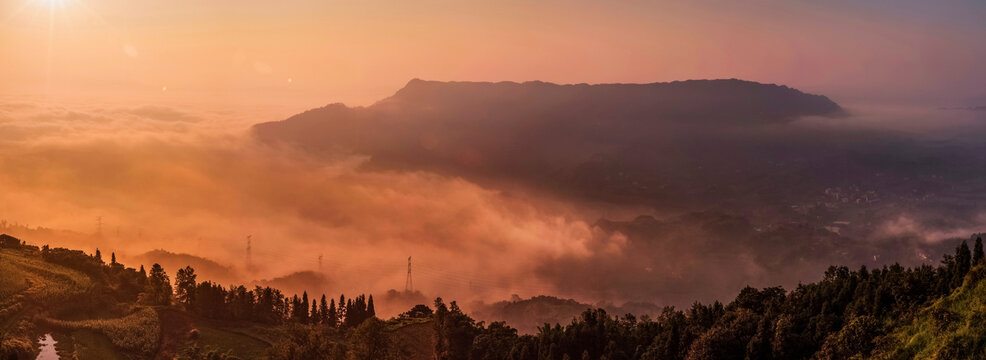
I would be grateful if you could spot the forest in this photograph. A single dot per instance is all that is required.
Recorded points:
(892, 312)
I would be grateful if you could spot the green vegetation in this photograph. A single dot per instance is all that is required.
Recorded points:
(86, 344)
(953, 327)
(36, 280)
(137, 333)
(241, 345)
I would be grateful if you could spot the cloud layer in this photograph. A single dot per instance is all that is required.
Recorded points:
(162, 178)
(195, 182)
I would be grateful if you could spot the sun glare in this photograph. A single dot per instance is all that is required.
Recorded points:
(52, 4)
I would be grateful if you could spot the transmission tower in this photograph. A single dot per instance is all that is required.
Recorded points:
(249, 263)
(408, 284)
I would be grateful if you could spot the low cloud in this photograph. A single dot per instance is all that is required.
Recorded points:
(162, 178)
(195, 182)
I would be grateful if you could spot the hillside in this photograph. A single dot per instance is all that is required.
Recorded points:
(95, 310)
(526, 315)
(92, 310)
(952, 327)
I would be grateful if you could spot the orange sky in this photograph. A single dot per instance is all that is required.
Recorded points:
(301, 54)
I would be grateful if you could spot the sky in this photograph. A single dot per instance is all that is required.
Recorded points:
(285, 57)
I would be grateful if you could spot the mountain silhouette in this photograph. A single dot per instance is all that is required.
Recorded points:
(541, 133)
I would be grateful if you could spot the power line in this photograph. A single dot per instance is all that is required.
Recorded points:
(408, 284)
(249, 263)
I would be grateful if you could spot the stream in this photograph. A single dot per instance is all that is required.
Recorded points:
(47, 348)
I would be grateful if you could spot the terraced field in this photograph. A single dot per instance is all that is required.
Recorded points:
(138, 333)
(37, 297)
(29, 284)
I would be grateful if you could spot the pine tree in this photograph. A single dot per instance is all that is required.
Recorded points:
(304, 308)
(963, 261)
(341, 309)
(323, 310)
(333, 317)
(977, 252)
(316, 316)
(370, 311)
(351, 314)
(295, 308)
(99, 257)
(113, 258)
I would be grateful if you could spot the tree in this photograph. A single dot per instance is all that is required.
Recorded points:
(303, 342)
(963, 261)
(454, 330)
(977, 252)
(113, 258)
(370, 311)
(210, 300)
(419, 311)
(158, 289)
(855, 340)
(303, 312)
(332, 316)
(99, 257)
(315, 317)
(493, 342)
(185, 285)
(341, 309)
(323, 310)
(371, 342)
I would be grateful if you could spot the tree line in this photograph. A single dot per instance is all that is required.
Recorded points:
(848, 314)
(113, 282)
(260, 304)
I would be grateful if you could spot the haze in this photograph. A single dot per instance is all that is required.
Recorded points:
(129, 126)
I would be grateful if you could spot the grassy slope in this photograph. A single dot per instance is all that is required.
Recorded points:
(30, 285)
(953, 327)
(31, 278)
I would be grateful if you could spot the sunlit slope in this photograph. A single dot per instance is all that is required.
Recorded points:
(32, 289)
(953, 327)
(30, 281)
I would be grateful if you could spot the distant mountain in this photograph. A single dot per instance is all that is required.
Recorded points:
(526, 315)
(171, 262)
(298, 282)
(611, 141)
